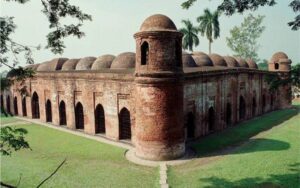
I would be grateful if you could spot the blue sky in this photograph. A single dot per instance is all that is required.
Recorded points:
(115, 22)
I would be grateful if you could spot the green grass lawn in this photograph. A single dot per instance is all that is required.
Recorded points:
(271, 159)
(89, 163)
(7, 119)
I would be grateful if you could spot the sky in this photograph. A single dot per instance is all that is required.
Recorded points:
(115, 22)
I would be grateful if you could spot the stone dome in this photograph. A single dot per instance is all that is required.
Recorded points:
(277, 56)
(124, 60)
(103, 62)
(231, 62)
(85, 63)
(242, 62)
(52, 65)
(202, 59)
(70, 64)
(33, 66)
(218, 60)
(158, 22)
(188, 60)
(252, 64)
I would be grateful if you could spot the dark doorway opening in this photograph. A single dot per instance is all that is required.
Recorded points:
(79, 116)
(16, 106)
(48, 111)
(99, 119)
(190, 125)
(124, 124)
(263, 103)
(145, 53)
(211, 119)
(242, 108)
(8, 104)
(35, 106)
(2, 105)
(62, 113)
(228, 114)
(24, 108)
(253, 107)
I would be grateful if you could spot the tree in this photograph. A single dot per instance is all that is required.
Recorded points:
(243, 39)
(190, 37)
(230, 7)
(263, 65)
(209, 25)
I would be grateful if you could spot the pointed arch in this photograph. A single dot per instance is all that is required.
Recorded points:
(62, 113)
(228, 114)
(79, 116)
(16, 105)
(190, 125)
(253, 107)
(48, 111)
(211, 119)
(24, 107)
(145, 53)
(124, 124)
(99, 119)
(35, 106)
(242, 110)
(8, 104)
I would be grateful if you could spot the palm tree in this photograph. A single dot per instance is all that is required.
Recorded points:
(209, 25)
(190, 37)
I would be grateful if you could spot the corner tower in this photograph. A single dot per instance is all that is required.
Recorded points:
(281, 64)
(159, 90)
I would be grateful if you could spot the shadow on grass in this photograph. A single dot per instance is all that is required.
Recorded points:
(224, 141)
(290, 179)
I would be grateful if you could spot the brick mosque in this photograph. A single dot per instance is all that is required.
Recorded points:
(156, 99)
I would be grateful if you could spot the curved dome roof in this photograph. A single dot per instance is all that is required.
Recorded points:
(85, 63)
(52, 65)
(231, 62)
(158, 22)
(187, 60)
(218, 60)
(103, 62)
(242, 62)
(202, 59)
(252, 64)
(70, 64)
(124, 60)
(278, 55)
(33, 66)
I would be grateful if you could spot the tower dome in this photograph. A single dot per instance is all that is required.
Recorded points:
(158, 22)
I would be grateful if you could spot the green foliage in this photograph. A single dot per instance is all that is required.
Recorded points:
(190, 37)
(12, 139)
(209, 25)
(230, 7)
(243, 39)
(295, 75)
(263, 65)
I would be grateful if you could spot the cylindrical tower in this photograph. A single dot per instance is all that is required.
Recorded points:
(159, 90)
(281, 64)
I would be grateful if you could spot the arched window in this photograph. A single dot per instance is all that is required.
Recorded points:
(62, 113)
(48, 111)
(145, 53)
(16, 105)
(124, 124)
(79, 116)
(99, 119)
(24, 108)
(263, 103)
(211, 119)
(253, 107)
(242, 108)
(35, 106)
(276, 66)
(8, 104)
(190, 125)
(228, 114)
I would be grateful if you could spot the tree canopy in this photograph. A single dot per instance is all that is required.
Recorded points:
(190, 37)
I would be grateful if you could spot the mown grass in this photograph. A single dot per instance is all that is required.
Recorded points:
(7, 119)
(271, 159)
(89, 163)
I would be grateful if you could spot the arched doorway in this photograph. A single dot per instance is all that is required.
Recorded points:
(35, 106)
(99, 119)
(8, 104)
(211, 119)
(48, 111)
(24, 108)
(79, 116)
(62, 113)
(2, 105)
(263, 103)
(124, 124)
(242, 108)
(228, 114)
(253, 107)
(16, 106)
(190, 125)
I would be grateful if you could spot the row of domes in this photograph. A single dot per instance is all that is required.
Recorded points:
(127, 61)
